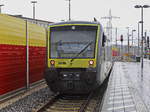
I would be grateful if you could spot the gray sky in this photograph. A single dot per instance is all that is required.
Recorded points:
(56, 10)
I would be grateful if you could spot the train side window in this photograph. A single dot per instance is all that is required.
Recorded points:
(103, 40)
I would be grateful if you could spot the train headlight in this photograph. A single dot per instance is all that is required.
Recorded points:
(91, 62)
(52, 62)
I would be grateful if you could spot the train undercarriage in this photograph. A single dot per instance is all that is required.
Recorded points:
(71, 80)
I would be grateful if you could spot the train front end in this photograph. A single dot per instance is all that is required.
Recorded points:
(71, 64)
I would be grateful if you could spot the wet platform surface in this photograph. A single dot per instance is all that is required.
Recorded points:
(129, 88)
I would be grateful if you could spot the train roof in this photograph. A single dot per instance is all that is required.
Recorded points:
(75, 22)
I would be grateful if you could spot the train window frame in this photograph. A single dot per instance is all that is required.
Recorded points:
(96, 31)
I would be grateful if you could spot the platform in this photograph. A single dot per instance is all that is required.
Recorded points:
(128, 88)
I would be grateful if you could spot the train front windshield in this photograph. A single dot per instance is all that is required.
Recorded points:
(72, 41)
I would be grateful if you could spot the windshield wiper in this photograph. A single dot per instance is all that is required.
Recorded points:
(81, 51)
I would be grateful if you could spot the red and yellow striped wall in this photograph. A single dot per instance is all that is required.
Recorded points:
(37, 52)
(13, 53)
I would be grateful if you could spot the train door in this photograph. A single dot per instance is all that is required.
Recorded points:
(103, 58)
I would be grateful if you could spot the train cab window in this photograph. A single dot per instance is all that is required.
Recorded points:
(77, 41)
(103, 40)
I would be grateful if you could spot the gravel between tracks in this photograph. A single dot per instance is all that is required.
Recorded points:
(29, 102)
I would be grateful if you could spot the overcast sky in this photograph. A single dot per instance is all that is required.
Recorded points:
(57, 10)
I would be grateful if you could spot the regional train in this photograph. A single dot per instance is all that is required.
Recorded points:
(78, 57)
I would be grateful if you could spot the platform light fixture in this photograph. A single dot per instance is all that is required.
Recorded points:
(142, 7)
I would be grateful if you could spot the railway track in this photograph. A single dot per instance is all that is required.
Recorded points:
(86, 103)
(61, 103)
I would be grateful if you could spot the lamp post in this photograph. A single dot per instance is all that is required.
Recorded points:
(128, 39)
(140, 6)
(33, 2)
(139, 36)
(148, 46)
(116, 37)
(1, 8)
(69, 9)
(132, 41)
(121, 39)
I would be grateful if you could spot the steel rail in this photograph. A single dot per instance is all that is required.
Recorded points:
(48, 104)
(86, 102)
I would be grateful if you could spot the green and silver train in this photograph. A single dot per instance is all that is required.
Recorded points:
(78, 57)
